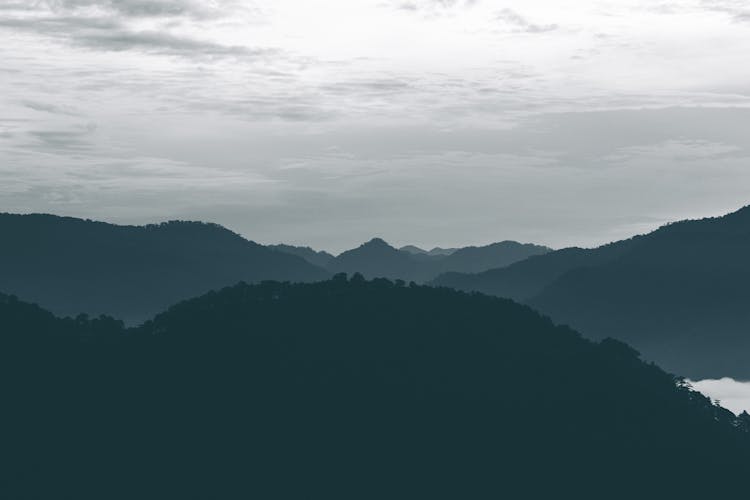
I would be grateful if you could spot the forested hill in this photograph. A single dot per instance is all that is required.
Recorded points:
(73, 266)
(348, 389)
(678, 294)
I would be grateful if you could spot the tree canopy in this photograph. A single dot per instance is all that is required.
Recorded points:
(347, 389)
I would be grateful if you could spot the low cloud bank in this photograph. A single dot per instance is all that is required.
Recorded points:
(732, 394)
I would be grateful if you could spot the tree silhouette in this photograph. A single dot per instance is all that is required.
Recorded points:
(347, 389)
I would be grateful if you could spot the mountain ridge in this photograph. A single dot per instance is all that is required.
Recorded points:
(677, 293)
(73, 266)
(377, 258)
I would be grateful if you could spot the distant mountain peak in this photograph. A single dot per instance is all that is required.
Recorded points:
(377, 243)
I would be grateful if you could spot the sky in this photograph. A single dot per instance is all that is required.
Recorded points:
(428, 122)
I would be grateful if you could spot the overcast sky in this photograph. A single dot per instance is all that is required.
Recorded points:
(434, 122)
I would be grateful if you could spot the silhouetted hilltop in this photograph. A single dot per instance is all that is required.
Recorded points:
(71, 265)
(377, 258)
(319, 258)
(348, 389)
(679, 294)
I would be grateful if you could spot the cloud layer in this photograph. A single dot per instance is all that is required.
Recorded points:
(109, 25)
(731, 394)
(426, 121)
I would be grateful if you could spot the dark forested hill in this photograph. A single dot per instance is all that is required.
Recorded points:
(72, 266)
(679, 294)
(378, 259)
(348, 389)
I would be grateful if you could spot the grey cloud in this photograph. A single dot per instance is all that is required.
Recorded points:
(421, 5)
(377, 87)
(739, 11)
(584, 137)
(455, 186)
(407, 6)
(301, 113)
(165, 43)
(50, 108)
(60, 25)
(108, 34)
(145, 8)
(60, 140)
(73, 139)
(14, 6)
(107, 27)
(282, 105)
(665, 8)
(587, 139)
(453, 3)
(520, 24)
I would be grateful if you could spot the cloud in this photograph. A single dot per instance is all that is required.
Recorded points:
(122, 39)
(50, 108)
(60, 25)
(520, 24)
(359, 117)
(114, 25)
(737, 10)
(432, 5)
(144, 8)
(74, 140)
(163, 43)
(732, 394)
(679, 150)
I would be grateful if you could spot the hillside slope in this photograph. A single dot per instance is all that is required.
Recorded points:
(678, 294)
(681, 296)
(354, 389)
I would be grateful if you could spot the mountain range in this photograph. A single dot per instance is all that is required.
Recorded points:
(680, 294)
(348, 389)
(378, 259)
(72, 266)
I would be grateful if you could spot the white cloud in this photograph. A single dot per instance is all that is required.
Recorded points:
(732, 394)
